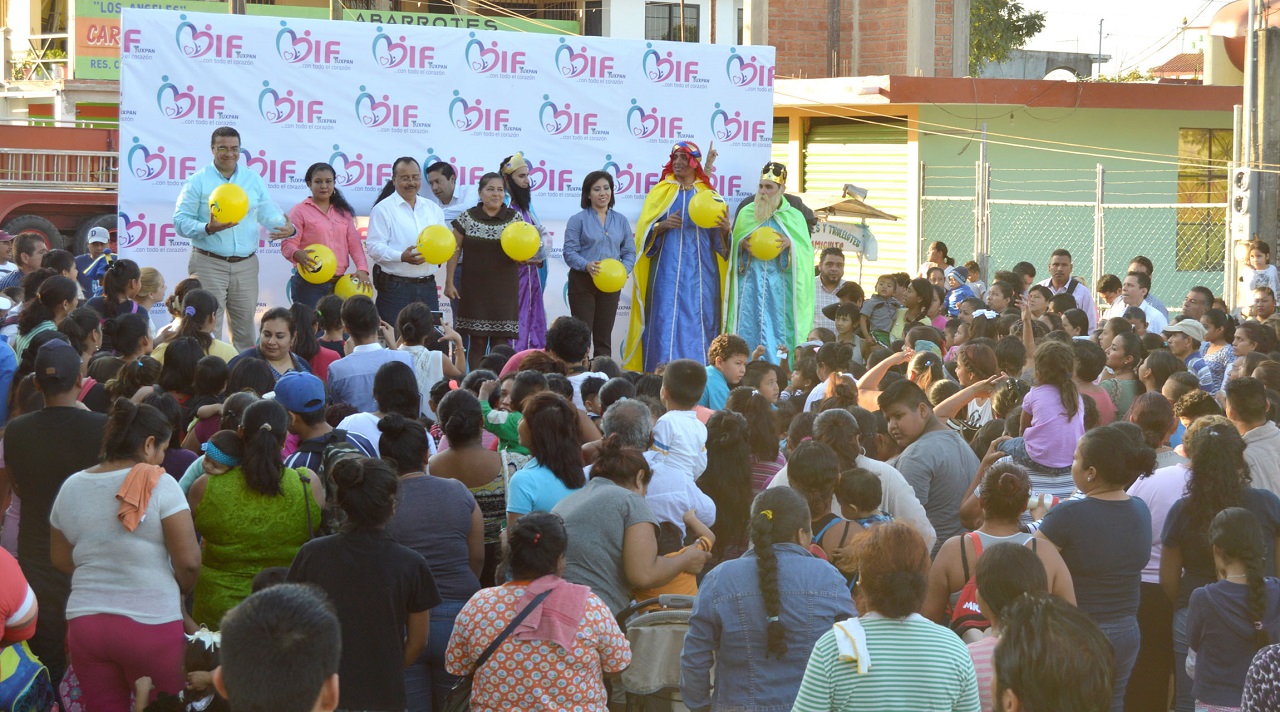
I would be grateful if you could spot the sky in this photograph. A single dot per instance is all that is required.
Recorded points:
(1135, 32)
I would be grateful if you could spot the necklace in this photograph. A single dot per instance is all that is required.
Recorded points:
(1235, 576)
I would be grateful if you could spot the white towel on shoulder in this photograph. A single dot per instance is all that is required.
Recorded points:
(851, 644)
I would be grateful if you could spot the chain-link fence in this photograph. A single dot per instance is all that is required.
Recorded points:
(1105, 219)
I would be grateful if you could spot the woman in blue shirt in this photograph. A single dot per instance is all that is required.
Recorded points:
(756, 618)
(597, 233)
(549, 429)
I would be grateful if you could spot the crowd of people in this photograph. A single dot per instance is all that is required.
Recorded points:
(942, 494)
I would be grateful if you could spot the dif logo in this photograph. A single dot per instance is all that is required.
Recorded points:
(273, 171)
(286, 109)
(400, 55)
(628, 181)
(583, 64)
(195, 43)
(385, 113)
(129, 41)
(496, 61)
(747, 73)
(141, 234)
(306, 49)
(665, 68)
(564, 121)
(190, 105)
(355, 171)
(147, 165)
(549, 180)
(475, 117)
(735, 129)
(467, 175)
(652, 125)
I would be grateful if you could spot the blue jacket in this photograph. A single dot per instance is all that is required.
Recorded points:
(957, 295)
(728, 631)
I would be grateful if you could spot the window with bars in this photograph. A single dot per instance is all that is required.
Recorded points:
(1203, 155)
(663, 21)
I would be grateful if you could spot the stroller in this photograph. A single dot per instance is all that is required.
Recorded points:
(652, 682)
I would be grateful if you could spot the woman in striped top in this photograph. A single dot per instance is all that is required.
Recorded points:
(907, 662)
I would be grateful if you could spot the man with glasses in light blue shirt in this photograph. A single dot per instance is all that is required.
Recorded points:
(224, 255)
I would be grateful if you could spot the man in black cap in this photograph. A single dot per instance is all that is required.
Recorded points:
(38, 471)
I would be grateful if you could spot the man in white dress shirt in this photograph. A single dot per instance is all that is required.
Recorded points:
(1133, 293)
(400, 274)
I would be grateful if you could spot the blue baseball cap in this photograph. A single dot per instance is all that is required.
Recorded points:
(299, 392)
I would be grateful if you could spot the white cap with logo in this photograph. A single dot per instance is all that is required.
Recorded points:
(99, 234)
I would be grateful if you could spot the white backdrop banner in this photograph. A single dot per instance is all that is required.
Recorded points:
(359, 95)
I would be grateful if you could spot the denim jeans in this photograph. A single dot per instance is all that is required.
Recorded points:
(396, 294)
(426, 684)
(304, 292)
(1125, 640)
(1184, 699)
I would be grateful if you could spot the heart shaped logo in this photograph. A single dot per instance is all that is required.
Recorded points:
(346, 171)
(388, 54)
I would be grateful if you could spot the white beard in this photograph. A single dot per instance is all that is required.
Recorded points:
(766, 206)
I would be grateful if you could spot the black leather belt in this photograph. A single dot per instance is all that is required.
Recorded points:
(223, 258)
(410, 280)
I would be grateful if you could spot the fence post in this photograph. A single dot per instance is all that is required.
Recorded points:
(1099, 227)
(981, 222)
(921, 226)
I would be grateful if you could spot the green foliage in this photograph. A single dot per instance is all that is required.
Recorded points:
(1133, 76)
(997, 27)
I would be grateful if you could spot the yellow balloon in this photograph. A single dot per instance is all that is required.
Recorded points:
(324, 265)
(707, 208)
(228, 203)
(521, 241)
(763, 243)
(436, 244)
(349, 286)
(611, 276)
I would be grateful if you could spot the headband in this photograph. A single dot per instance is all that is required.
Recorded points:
(775, 172)
(212, 452)
(688, 147)
(515, 163)
(205, 637)
(987, 313)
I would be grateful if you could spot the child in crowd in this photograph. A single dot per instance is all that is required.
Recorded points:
(879, 311)
(848, 319)
(958, 289)
(199, 662)
(1038, 300)
(821, 335)
(1052, 412)
(1075, 322)
(727, 358)
(804, 375)
(591, 396)
(975, 280)
(505, 422)
(222, 453)
(1137, 319)
(329, 321)
(614, 390)
(859, 493)
(1112, 328)
(670, 546)
(678, 435)
(1258, 271)
(1108, 288)
(851, 293)
(762, 377)
(1061, 303)
(1231, 619)
(956, 333)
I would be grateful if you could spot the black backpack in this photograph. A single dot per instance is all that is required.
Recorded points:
(333, 449)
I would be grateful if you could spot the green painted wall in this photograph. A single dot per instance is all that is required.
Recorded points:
(1023, 232)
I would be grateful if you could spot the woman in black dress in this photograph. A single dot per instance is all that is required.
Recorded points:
(488, 309)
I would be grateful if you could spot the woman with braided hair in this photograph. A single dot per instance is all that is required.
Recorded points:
(741, 625)
(1230, 620)
(1219, 480)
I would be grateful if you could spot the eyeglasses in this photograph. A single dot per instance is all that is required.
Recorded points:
(225, 150)
(408, 179)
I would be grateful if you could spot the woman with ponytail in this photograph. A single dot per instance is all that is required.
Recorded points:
(615, 544)
(756, 618)
(728, 482)
(55, 299)
(173, 305)
(199, 310)
(385, 633)
(130, 559)
(252, 517)
(1219, 480)
(1231, 619)
(762, 435)
(901, 660)
(439, 519)
(120, 285)
(483, 471)
(572, 655)
(834, 361)
(1105, 538)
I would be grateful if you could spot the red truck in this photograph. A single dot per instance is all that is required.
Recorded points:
(59, 182)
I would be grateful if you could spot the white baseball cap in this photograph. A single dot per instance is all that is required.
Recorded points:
(99, 234)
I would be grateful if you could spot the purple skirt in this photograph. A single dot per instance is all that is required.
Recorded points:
(533, 314)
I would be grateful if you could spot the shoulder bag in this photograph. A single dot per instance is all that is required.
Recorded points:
(459, 699)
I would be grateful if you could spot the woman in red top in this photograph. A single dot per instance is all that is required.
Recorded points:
(326, 218)
(306, 345)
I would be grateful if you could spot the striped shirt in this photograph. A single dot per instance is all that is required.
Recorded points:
(981, 652)
(915, 665)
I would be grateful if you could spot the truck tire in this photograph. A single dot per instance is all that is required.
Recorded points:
(110, 221)
(36, 224)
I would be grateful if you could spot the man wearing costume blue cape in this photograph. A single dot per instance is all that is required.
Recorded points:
(679, 271)
(770, 302)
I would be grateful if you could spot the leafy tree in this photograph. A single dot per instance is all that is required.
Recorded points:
(1130, 77)
(997, 27)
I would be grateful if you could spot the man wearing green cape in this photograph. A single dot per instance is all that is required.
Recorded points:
(769, 303)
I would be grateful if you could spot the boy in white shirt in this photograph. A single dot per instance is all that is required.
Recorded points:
(679, 436)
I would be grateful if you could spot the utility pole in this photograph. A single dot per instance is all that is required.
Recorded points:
(1099, 50)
